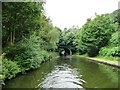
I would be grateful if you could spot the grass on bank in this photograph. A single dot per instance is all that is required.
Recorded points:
(104, 58)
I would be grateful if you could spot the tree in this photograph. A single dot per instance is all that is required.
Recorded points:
(96, 32)
(116, 16)
(28, 36)
(19, 20)
(67, 40)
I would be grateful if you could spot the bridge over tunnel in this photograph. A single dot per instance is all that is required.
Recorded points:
(64, 51)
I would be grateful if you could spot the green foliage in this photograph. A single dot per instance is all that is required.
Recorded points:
(82, 49)
(102, 34)
(115, 39)
(9, 68)
(67, 40)
(28, 53)
(96, 32)
(28, 36)
(93, 51)
(116, 16)
(113, 49)
(19, 20)
(110, 51)
(50, 39)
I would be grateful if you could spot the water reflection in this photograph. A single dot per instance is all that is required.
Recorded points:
(62, 77)
(68, 73)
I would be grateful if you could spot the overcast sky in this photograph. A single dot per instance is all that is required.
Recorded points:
(65, 13)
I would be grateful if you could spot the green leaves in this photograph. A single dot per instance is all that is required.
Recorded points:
(113, 49)
(9, 68)
(21, 18)
(27, 37)
(115, 39)
(116, 16)
(110, 51)
(67, 40)
(96, 32)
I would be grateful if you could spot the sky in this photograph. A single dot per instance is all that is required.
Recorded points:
(66, 13)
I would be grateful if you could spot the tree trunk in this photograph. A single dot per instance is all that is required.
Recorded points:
(11, 38)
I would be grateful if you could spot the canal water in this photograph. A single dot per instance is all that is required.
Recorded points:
(72, 72)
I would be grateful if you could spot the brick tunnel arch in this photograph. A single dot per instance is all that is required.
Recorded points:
(66, 50)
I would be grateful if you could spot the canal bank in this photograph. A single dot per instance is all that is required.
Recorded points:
(8, 71)
(103, 61)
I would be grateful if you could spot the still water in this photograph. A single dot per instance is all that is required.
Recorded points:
(74, 72)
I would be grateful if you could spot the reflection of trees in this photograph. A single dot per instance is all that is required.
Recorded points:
(93, 75)
(112, 73)
(33, 78)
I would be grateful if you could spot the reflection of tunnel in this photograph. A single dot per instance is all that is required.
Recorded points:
(66, 51)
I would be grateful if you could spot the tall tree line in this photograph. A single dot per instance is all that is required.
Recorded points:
(28, 37)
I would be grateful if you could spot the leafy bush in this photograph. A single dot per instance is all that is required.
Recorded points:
(9, 68)
(25, 55)
(113, 49)
(93, 51)
(115, 39)
(82, 49)
(110, 51)
(28, 53)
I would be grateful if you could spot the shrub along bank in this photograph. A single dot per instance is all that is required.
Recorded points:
(100, 37)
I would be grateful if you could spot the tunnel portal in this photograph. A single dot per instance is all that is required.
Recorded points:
(65, 52)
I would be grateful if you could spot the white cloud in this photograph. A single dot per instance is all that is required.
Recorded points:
(65, 13)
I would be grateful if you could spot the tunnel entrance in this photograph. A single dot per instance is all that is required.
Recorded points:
(65, 51)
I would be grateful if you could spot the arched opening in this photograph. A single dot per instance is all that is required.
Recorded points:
(65, 51)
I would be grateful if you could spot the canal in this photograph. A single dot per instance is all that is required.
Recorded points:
(74, 72)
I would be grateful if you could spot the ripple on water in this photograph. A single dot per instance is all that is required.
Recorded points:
(62, 77)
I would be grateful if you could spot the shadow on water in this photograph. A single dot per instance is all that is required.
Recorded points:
(68, 72)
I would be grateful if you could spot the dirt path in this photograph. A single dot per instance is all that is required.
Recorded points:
(111, 63)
